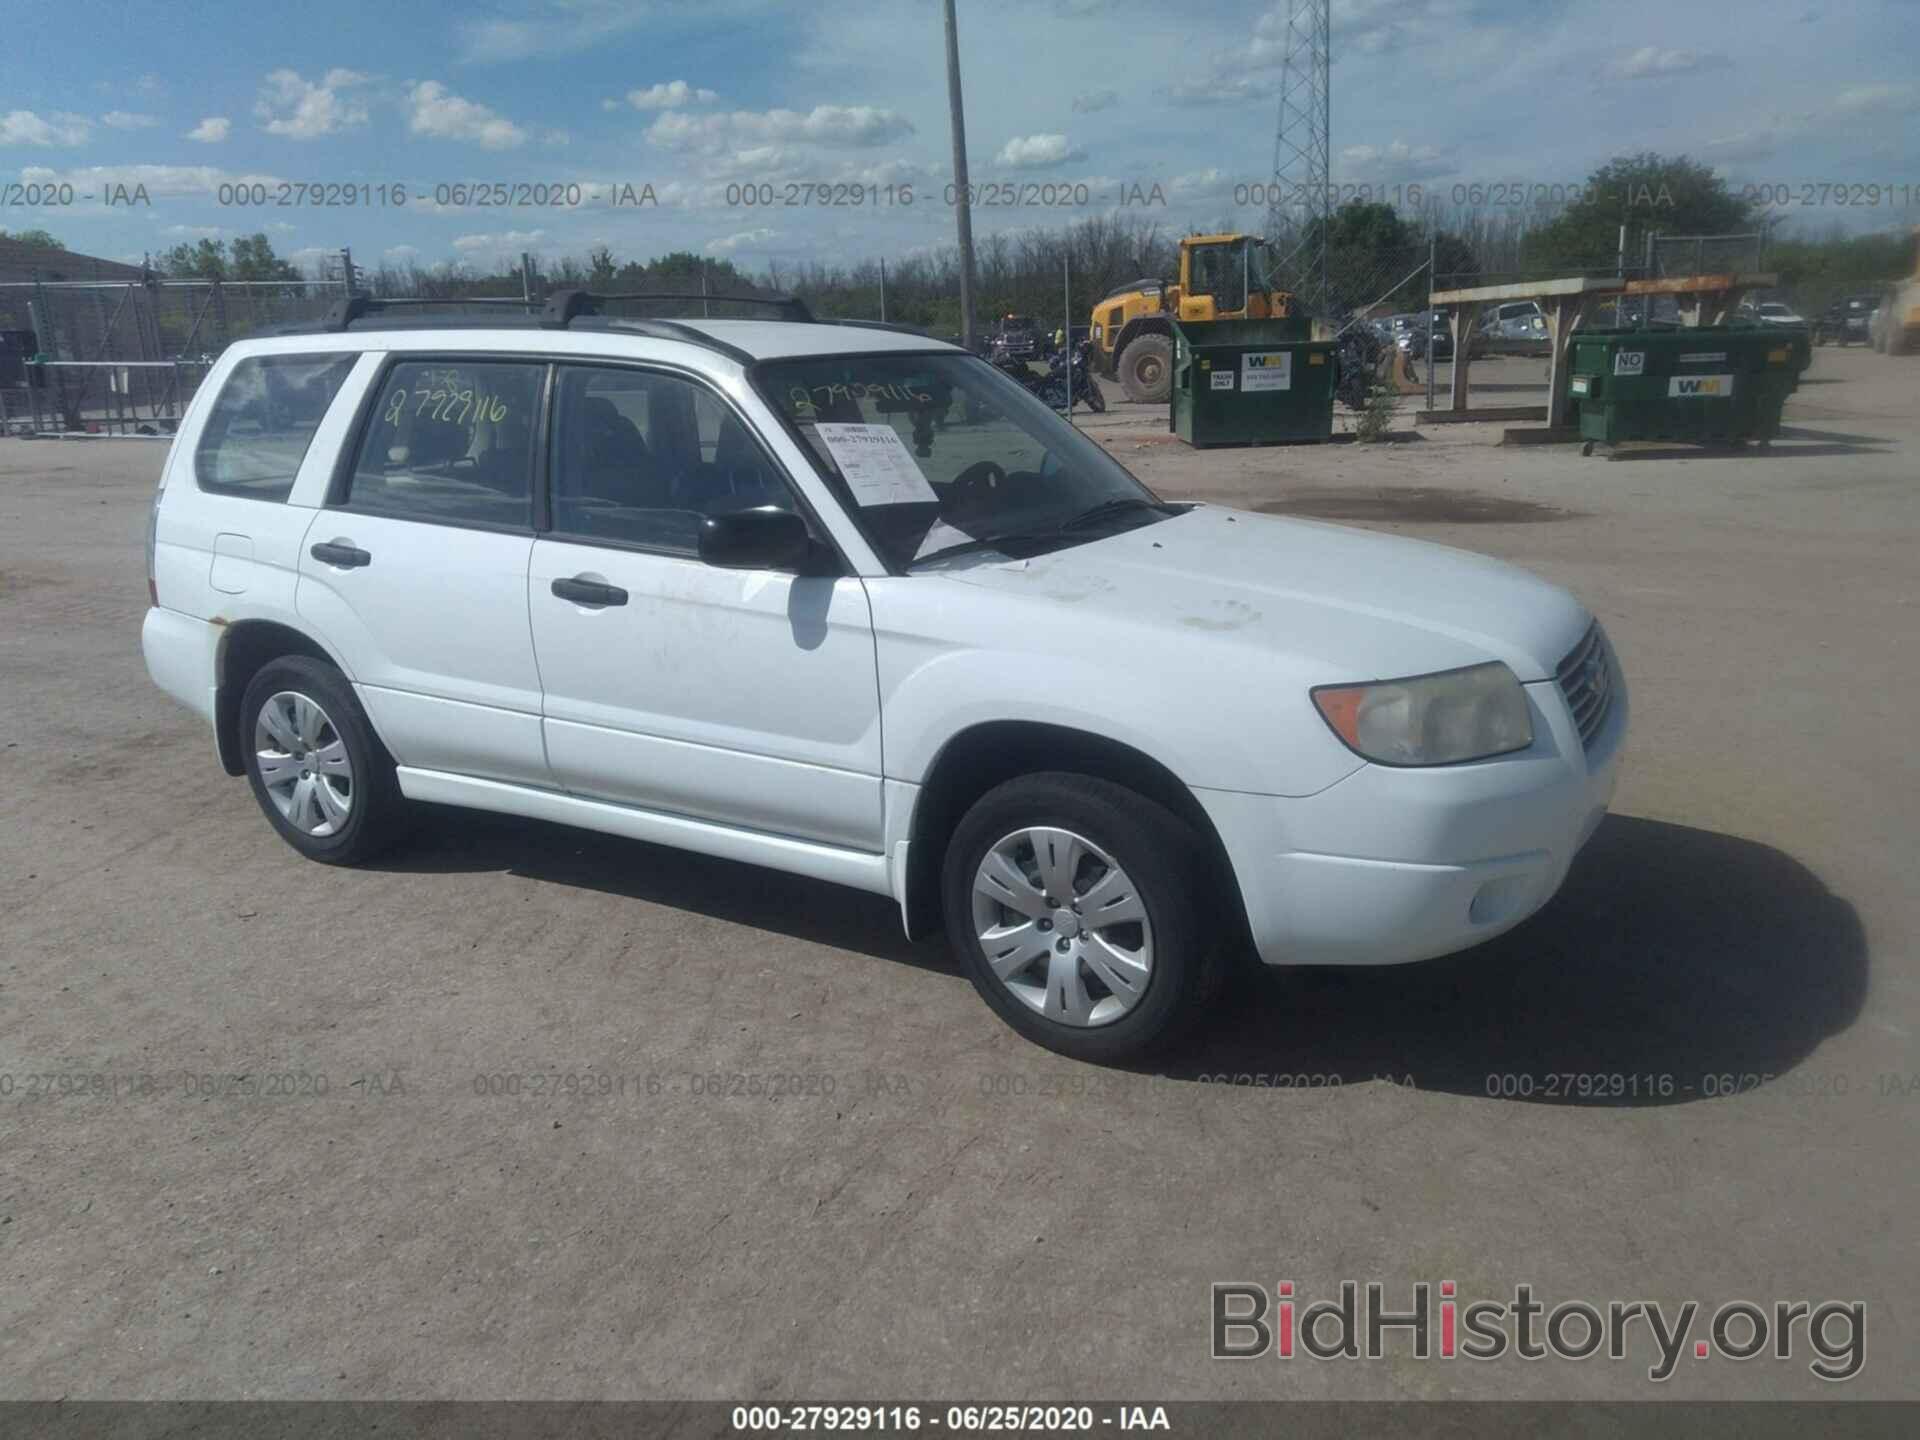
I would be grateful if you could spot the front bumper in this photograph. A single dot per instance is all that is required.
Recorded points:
(1391, 865)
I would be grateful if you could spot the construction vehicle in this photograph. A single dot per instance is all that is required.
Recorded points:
(1900, 310)
(1222, 277)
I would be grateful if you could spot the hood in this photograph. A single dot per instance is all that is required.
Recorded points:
(1354, 605)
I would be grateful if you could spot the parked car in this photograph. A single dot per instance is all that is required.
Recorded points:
(728, 586)
(1438, 332)
(1844, 322)
(1517, 327)
(1774, 312)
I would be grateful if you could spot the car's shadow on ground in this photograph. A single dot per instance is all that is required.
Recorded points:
(449, 840)
(1675, 964)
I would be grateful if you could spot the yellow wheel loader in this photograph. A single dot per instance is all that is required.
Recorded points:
(1222, 277)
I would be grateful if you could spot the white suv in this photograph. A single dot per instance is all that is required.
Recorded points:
(848, 602)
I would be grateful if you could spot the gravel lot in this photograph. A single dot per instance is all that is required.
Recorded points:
(946, 1210)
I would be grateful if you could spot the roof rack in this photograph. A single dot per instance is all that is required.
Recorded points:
(562, 306)
(566, 309)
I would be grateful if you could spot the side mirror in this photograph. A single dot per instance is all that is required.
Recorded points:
(764, 538)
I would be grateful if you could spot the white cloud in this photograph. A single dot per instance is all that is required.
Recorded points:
(300, 110)
(551, 27)
(212, 130)
(193, 232)
(127, 120)
(670, 95)
(1877, 99)
(1650, 62)
(161, 181)
(1036, 152)
(1095, 100)
(1394, 161)
(739, 239)
(500, 244)
(1223, 90)
(399, 254)
(836, 125)
(25, 127)
(313, 259)
(439, 113)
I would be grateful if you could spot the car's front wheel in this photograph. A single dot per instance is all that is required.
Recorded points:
(319, 772)
(1081, 912)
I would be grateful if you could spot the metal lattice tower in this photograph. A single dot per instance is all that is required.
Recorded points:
(1301, 189)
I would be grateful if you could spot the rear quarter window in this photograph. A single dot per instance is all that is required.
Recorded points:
(258, 431)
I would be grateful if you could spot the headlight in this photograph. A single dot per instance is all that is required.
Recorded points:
(1431, 719)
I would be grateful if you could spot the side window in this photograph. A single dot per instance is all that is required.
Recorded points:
(641, 458)
(451, 442)
(259, 429)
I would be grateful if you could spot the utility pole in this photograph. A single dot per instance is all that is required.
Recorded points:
(962, 209)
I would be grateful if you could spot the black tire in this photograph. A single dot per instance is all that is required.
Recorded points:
(1096, 402)
(1146, 369)
(377, 813)
(1169, 869)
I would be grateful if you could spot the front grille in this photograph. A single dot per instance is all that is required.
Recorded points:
(1586, 679)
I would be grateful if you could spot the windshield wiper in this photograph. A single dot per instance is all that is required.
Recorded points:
(1115, 505)
(1118, 504)
(985, 542)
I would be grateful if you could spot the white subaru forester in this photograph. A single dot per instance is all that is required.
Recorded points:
(848, 602)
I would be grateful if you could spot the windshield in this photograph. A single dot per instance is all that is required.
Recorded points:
(939, 454)
(1017, 322)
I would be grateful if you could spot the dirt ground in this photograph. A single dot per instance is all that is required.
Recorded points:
(937, 1207)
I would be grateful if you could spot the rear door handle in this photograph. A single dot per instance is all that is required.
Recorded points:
(589, 592)
(347, 557)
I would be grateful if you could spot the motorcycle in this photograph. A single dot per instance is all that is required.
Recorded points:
(1051, 388)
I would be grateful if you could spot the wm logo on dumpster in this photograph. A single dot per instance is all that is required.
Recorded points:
(1697, 386)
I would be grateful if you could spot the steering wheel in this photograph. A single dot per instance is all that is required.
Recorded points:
(979, 477)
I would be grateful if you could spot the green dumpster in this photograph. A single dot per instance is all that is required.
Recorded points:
(1721, 385)
(1251, 382)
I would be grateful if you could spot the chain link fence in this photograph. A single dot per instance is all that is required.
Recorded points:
(125, 356)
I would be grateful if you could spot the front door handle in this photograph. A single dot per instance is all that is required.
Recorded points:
(347, 557)
(589, 592)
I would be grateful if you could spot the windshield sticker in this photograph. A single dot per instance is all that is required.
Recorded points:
(1266, 370)
(878, 467)
(808, 400)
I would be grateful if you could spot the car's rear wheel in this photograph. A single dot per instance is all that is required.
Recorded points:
(1081, 911)
(321, 776)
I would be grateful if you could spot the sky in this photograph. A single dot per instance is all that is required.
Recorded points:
(669, 126)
